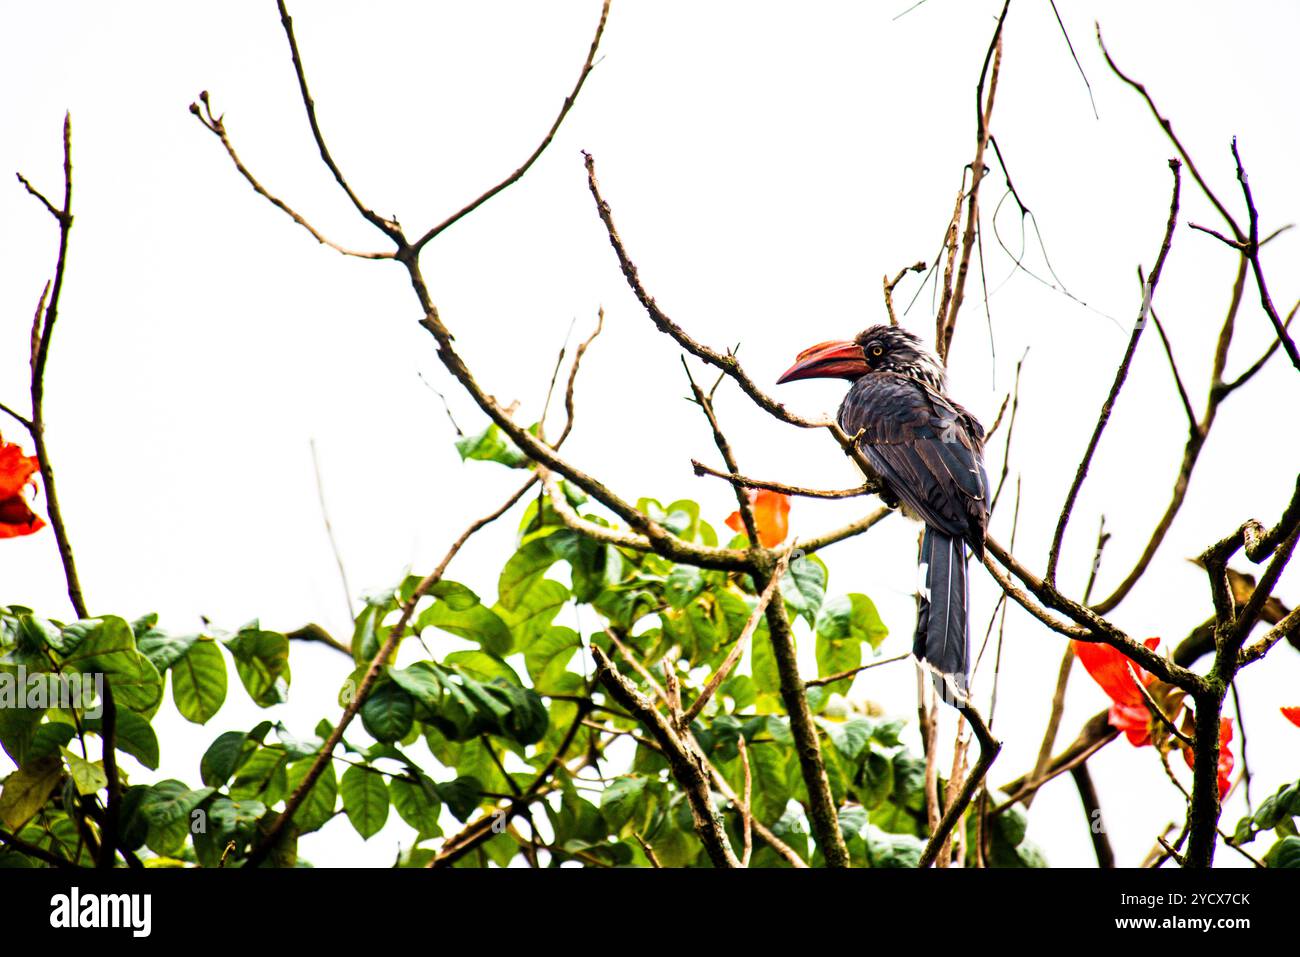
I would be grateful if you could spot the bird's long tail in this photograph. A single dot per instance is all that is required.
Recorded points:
(942, 638)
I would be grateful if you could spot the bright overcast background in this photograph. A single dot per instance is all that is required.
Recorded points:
(766, 164)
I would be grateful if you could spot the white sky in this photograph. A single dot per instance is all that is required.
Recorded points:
(765, 167)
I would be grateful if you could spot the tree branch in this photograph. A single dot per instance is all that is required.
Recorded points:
(1121, 374)
(541, 148)
(689, 768)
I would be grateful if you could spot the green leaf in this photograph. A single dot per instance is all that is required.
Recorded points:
(369, 632)
(482, 665)
(87, 776)
(876, 777)
(620, 800)
(235, 817)
(892, 850)
(844, 624)
(461, 796)
(49, 738)
(682, 585)
(297, 747)
(318, 806)
(162, 648)
(741, 690)
(767, 763)
(417, 804)
(850, 737)
(17, 725)
(804, 586)
(592, 564)
(1012, 824)
(548, 656)
(683, 518)
(1285, 853)
(388, 712)
(523, 570)
(107, 645)
(134, 735)
(262, 661)
(527, 719)
(365, 800)
(767, 679)
(694, 630)
(532, 616)
(491, 445)
(262, 776)
(421, 680)
(35, 634)
(171, 801)
(27, 789)
(199, 682)
(475, 623)
(222, 758)
(133, 829)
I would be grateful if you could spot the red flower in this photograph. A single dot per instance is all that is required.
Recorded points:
(16, 470)
(1225, 756)
(1292, 714)
(1109, 667)
(771, 512)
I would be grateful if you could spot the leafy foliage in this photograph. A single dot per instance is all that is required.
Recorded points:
(453, 734)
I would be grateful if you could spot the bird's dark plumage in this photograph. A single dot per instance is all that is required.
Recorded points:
(929, 452)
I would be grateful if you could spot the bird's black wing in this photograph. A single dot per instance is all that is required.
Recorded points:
(928, 449)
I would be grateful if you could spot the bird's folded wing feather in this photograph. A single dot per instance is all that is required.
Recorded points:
(928, 448)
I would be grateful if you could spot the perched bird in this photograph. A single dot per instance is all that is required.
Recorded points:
(929, 453)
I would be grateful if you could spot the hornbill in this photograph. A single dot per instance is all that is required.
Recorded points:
(929, 453)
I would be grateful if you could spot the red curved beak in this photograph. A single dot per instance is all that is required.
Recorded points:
(828, 360)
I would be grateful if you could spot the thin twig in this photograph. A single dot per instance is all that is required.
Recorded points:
(989, 748)
(387, 227)
(216, 125)
(688, 765)
(851, 672)
(983, 116)
(746, 482)
(889, 286)
(742, 641)
(747, 827)
(1092, 815)
(40, 359)
(541, 148)
(377, 664)
(329, 531)
(1121, 374)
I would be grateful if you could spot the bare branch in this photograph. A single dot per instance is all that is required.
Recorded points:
(1120, 375)
(983, 115)
(573, 376)
(853, 672)
(724, 449)
(329, 531)
(1169, 132)
(866, 488)
(689, 768)
(388, 228)
(541, 148)
(217, 126)
(724, 362)
(889, 286)
(40, 358)
(989, 748)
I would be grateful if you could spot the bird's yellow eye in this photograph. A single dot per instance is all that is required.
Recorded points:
(877, 351)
